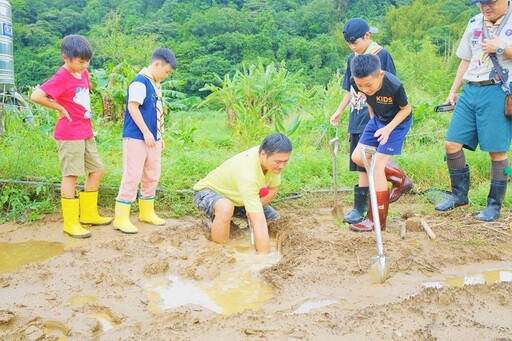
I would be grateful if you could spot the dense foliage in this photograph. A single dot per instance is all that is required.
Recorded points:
(258, 65)
(222, 36)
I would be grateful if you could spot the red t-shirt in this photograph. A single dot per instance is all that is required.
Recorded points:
(74, 95)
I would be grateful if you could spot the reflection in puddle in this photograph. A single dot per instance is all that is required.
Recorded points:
(13, 255)
(234, 291)
(486, 277)
(179, 292)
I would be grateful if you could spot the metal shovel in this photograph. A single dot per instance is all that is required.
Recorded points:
(337, 211)
(251, 230)
(380, 268)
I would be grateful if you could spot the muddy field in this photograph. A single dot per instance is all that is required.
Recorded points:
(172, 283)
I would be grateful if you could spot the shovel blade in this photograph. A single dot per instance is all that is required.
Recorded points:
(380, 270)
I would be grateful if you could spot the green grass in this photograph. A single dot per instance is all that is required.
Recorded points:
(197, 142)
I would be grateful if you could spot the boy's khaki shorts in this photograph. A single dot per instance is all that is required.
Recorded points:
(78, 157)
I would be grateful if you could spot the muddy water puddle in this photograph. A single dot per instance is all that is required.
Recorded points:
(486, 277)
(14, 255)
(106, 321)
(359, 293)
(56, 330)
(82, 299)
(238, 289)
(241, 288)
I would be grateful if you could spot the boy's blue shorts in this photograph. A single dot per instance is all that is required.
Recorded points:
(395, 141)
(479, 118)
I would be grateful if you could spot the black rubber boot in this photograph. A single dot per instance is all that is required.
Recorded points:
(494, 201)
(383, 206)
(360, 206)
(460, 187)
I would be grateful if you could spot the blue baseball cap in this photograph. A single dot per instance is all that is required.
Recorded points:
(356, 28)
(484, 1)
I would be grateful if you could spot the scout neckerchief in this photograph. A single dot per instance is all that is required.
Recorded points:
(357, 101)
(492, 30)
(486, 34)
(159, 103)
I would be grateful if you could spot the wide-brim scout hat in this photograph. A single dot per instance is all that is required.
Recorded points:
(356, 28)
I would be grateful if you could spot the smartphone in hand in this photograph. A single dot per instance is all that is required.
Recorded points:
(444, 107)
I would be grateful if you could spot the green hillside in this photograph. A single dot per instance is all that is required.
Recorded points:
(221, 36)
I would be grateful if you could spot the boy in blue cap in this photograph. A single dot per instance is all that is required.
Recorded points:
(357, 33)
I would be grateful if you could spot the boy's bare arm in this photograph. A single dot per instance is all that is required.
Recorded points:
(335, 118)
(382, 134)
(400, 116)
(370, 110)
(133, 109)
(40, 97)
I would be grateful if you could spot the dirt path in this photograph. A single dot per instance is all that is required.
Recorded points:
(98, 288)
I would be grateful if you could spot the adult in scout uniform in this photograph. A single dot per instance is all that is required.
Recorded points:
(478, 118)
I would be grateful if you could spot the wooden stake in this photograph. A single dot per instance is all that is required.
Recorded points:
(427, 229)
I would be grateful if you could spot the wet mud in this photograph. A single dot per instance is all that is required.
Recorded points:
(315, 284)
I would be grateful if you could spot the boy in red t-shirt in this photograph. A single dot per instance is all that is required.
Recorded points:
(68, 92)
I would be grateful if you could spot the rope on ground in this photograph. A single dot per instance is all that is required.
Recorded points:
(190, 191)
(179, 191)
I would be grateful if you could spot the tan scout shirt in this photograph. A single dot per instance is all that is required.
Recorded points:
(481, 68)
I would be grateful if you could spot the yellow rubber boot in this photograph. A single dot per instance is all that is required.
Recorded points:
(72, 227)
(147, 212)
(89, 210)
(122, 218)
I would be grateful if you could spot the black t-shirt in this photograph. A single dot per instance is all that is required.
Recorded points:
(386, 102)
(359, 118)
